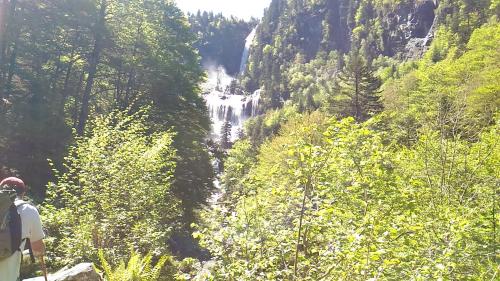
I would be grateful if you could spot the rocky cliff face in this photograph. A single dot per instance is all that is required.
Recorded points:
(410, 29)
(331, 25)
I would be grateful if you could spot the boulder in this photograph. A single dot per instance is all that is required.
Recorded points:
(206, 271)
(81, 272)
(415, 48)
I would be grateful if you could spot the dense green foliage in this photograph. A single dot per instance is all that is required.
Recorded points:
(368, 208)
(70, 65)
(115, 193)
(138, 268)
(376, 156)
(300, 31)
(410, 194)
(64, 62)
(459, 95)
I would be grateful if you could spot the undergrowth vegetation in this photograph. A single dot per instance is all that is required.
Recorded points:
(410, 194)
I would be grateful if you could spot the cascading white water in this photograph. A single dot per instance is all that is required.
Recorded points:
(226, 106)
(222, 106)
(232, 108)
(246, 51)
(254, 102)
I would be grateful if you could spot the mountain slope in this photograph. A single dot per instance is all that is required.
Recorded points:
(220, 40)
(301, 30)
(410, 194)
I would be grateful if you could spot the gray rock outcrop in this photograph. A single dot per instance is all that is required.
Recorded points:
(205, 272)
(410, 29)
(81, 272)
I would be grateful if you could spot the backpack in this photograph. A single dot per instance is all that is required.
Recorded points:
(10, 225)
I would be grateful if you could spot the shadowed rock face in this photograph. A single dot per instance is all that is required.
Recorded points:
(423, 19)
(410, 29)
(81, 272)
(423, 30)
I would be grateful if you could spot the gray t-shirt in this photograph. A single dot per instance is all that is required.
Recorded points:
(32, 229)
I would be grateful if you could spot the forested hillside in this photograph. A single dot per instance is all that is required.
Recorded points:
(377, 157)
(72, 73)
(411, 194)
(220, 40)
(372, 152)
(65, 61)
(294, 32)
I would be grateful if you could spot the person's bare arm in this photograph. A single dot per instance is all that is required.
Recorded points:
(38, 248)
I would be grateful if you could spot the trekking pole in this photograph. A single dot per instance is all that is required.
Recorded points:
(44, 268)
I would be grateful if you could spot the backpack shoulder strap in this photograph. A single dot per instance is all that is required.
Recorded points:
(15, 228)
(30, 250)
(27, 244)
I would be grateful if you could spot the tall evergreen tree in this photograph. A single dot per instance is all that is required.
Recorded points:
(359, 88)
(225, 138)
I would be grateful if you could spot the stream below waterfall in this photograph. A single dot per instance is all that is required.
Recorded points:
(228, 103)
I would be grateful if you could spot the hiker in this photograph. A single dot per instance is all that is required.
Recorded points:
(29, 232)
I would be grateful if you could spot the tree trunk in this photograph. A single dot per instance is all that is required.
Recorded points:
(76, 95)
(6, 67)
(69, 71)
(93, 63)
(11, 70)
(65, 90)
(356, 97)
(3, 21)
(131, 75)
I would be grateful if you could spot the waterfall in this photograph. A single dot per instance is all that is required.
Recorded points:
(246, 51)
(254, 103)
(225, 100)
(224, 106)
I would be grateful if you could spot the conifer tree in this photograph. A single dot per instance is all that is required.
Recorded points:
(359, 88)
(225, 139)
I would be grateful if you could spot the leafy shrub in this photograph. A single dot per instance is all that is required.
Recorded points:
(114, 192)
(138, 268)
(346, 203)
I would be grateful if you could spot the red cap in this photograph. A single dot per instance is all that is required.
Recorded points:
(13, 182)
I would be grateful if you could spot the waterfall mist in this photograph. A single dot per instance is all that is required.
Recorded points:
(225, 99)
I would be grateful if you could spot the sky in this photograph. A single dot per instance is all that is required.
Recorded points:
(244, 9)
